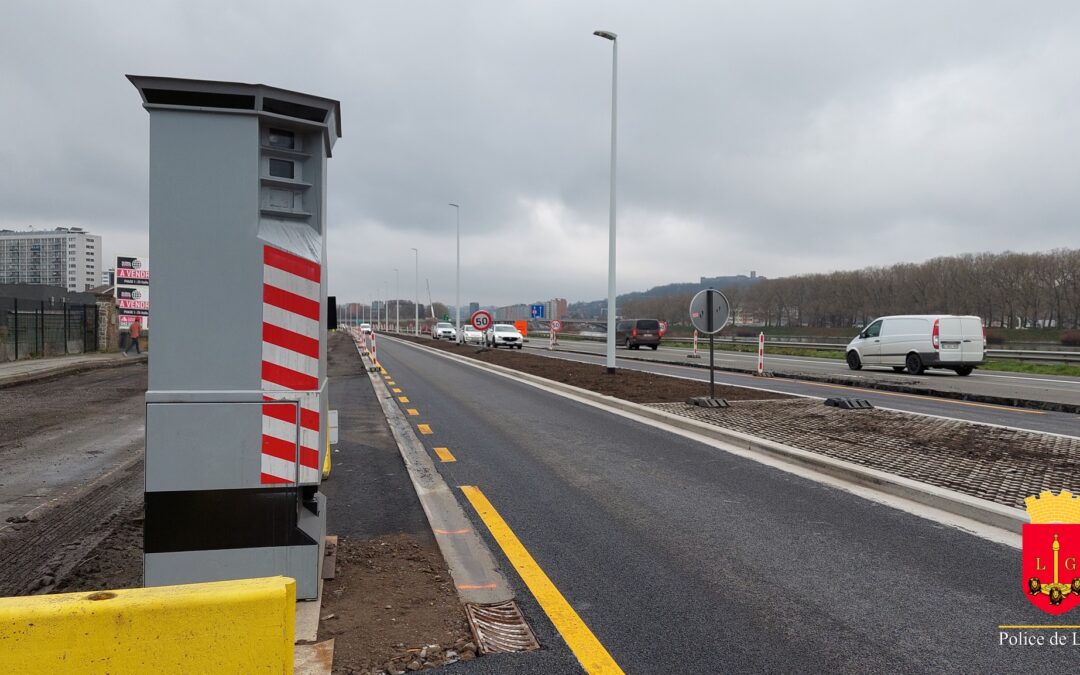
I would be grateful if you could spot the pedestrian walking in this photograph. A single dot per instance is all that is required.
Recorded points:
(133, 336)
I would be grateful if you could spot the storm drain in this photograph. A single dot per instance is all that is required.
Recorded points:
(500, 628)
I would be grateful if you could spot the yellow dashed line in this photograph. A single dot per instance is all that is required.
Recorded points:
(424, 429)
(444, 454)
(391, 383)
(396, 390)
(403, 399)
(594, 657)
(413, 412)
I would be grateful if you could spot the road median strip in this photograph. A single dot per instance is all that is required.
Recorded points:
(866, 383)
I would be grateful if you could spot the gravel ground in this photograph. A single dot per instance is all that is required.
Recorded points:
(994, 463)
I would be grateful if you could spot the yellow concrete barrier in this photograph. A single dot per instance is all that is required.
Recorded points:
(242, 626)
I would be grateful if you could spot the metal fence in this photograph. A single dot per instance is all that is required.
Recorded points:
(36, 328)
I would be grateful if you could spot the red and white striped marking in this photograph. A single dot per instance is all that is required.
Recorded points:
(761, 353)
(290, 363)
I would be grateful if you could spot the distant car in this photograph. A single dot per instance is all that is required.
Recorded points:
(365, 328)
(504, 335)
(471, 336)
(633, 333)
(444, 329)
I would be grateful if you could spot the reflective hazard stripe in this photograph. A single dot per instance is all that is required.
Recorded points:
(290, 365)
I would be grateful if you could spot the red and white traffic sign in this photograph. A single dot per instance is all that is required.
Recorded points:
(556, 326)
(480, 320)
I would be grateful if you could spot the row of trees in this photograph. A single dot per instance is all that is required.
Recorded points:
(1011, 290)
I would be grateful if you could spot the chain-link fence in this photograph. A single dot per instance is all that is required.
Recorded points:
(36, 328)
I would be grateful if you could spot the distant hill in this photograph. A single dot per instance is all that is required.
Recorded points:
(593, 309)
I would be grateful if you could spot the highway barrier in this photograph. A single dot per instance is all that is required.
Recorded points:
(241, 626)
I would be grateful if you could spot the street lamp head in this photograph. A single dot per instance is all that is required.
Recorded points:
(606, 34)
(454, 205)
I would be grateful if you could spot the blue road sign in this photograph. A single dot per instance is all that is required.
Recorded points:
(537, 311)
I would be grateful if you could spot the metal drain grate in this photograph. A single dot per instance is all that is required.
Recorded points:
(500, 628)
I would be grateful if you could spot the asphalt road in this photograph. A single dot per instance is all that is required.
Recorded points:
(1054, 388)
(1021, 418)
(683, 558)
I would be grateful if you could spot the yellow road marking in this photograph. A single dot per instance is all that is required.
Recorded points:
(424, 429)
(403, 399)
(1063, 627)
(396, 390)
(391, 382)
(593, 656)
(444, 454)
(412, 411)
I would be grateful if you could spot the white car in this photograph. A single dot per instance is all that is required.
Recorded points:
(365, 328)
(444, 329)
(916, 342)
(504, 335)
(471, 336)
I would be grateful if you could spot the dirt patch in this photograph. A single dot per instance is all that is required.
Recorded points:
(629, 385)
(392, 605)
(117, 562)
(38, 406)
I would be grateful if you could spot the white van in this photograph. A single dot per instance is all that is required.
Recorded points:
(916, 342)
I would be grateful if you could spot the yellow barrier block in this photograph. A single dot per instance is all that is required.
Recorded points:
(242, 626)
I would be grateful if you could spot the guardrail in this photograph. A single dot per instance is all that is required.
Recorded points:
(992, 354)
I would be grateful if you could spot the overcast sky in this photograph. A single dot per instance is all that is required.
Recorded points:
(781, 137)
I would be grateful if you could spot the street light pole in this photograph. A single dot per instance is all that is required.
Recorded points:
(416, 295)
(457, 292)
(397, 301)
(607, 35)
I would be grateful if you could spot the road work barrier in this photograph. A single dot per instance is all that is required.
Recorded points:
(241, 626)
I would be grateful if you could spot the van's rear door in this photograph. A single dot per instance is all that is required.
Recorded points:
(950, 339)
(973, 346)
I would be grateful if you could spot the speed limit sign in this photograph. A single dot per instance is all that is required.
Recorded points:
(556, 325)
(480, 320)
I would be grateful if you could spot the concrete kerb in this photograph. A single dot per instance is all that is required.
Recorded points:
(956, 503)
(863, 383)
(476, 575)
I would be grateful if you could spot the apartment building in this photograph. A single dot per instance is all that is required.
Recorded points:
(66, 256)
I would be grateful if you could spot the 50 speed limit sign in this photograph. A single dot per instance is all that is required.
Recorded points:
(480, 320)
(556, 325)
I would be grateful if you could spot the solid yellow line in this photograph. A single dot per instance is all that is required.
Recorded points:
(593, 656)
(424, 429)
(403, 399)
(445, 455)
(1065, 628)
(412, 411)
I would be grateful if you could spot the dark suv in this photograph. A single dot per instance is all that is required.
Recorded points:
(636, 332)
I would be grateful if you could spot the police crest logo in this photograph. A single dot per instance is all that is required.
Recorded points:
(1052, 551)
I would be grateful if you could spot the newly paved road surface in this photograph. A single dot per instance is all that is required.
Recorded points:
(1021, 418)
(1054, 388)
(683, 558)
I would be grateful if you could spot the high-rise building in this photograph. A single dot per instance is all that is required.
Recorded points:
(474, 307)
(67, 256)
